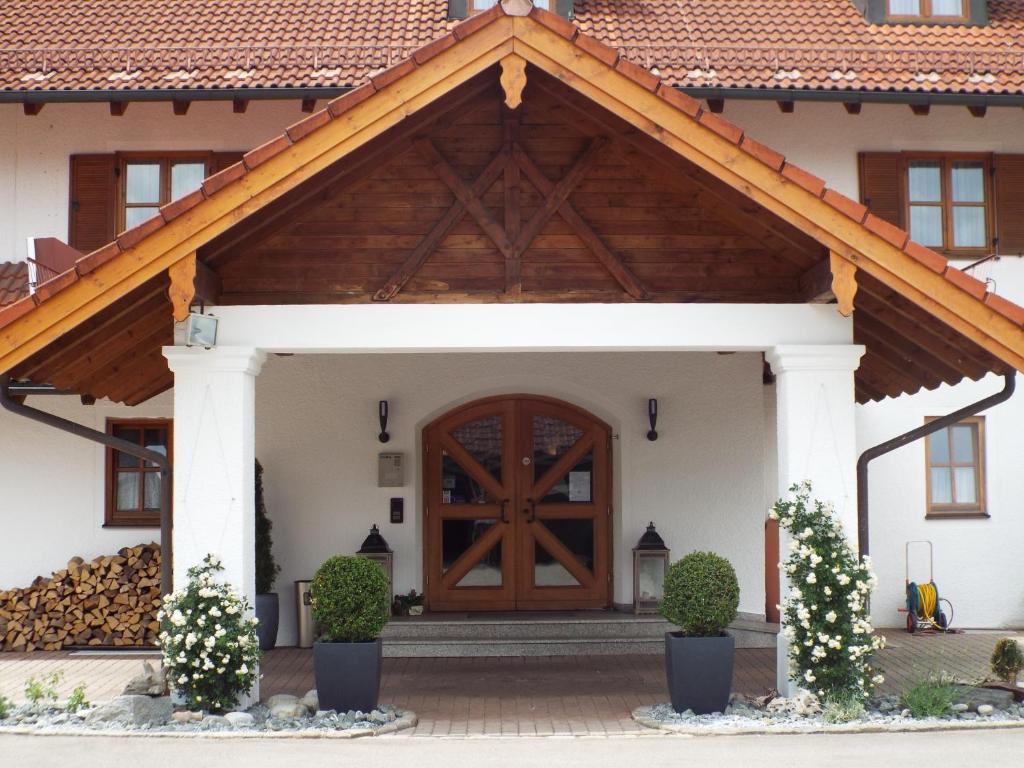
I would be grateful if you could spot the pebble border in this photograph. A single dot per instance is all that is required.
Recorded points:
(812, 727)
(408, 719)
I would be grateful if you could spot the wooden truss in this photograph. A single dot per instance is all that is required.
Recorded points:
(512, 237)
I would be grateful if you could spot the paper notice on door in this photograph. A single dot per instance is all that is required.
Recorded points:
(579, 486)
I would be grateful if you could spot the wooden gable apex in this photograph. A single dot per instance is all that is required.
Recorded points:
(877, 250)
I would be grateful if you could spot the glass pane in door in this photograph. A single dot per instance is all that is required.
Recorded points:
(482, 440)
(457, 536)
(551, 439)
(548, 572)
(459, 487)
(576, 486)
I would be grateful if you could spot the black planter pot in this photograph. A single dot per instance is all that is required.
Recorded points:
(268, 613)
(699, 671)
(347, 675)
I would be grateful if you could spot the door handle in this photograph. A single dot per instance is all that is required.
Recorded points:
(504, 511)
(530, 511)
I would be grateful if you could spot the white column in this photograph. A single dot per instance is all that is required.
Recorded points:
(817, 440)
(214, 460)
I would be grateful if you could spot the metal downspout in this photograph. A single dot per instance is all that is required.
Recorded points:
(163, 462)
(908, 437)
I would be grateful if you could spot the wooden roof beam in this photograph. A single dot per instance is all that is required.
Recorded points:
(466, 195)
(191, 281)
(623, 275)
(908, 348)
(862, 334)
(511, 123)
(432, 116)
(440, 230)
(118, 108)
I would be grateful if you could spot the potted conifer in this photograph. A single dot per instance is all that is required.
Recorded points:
(701, 598)
(266, 605)
(349, 597)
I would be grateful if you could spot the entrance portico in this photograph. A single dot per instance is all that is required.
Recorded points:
(512, 211)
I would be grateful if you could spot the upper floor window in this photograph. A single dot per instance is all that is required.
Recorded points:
(150, 181)
(939, 10)
(133, 485)
(948, 202)
(956, 469)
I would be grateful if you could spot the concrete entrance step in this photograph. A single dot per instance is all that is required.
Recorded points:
(584, 633)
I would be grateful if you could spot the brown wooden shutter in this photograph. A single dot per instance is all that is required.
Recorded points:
(93, 214)
(881, 185)
(1008, 190)
(222, 160)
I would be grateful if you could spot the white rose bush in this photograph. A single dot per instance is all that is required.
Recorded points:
(831, 640)
(208, 640)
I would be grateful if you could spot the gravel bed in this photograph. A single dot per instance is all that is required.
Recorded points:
(256, 721)
(882, 714)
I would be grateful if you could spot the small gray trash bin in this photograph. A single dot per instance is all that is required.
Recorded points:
(304, 614)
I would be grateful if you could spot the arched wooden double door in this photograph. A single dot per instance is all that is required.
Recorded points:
(517, 507)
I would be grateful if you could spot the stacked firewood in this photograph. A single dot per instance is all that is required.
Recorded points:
(111, 601)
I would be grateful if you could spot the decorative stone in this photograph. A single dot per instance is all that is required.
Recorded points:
(240, 719)
(182, 717)
(311, 700)
(133, 710)
(985, 709)
(152, 682)
(286, 706)
(975, 697)
(214, 722)
(802, 703)
(905, 713)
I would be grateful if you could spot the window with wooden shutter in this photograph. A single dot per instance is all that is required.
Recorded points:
(881, 185)
(93, 213)
(1008, 184)
(112, 193)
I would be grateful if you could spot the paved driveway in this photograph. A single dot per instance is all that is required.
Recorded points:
(585, 695)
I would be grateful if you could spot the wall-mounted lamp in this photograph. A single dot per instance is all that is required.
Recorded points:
(382, 412)
(652, 417)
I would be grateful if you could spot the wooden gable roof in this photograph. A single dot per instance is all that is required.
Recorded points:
(925, 322)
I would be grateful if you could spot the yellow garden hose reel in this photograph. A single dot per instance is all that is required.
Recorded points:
(924, 605)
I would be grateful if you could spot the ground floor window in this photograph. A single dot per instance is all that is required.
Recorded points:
(133, 485)
(955, 458)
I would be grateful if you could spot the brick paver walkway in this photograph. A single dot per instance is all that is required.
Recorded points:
(582, 695)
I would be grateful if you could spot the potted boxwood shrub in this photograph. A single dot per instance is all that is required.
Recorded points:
(701, 598)
(349, 597)
(266, 605)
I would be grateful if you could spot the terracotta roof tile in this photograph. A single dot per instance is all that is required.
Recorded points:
(175, 208)
(55, 285)
(257, 157)
(140, 232)
(1005, 307)
(98, 258)
(53, 45)
(926, 256)
(806, 179)
(766, 155)
(851, 208)
(972, 285)
(887, 231)
(13, 281)
(17, 310)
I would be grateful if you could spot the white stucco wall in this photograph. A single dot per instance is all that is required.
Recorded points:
(34, 151)
(52, 503)
(977, 561)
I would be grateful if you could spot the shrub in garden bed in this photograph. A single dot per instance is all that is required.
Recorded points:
(1007, 660)
(208, 641)
(931, 696)
(831, 640)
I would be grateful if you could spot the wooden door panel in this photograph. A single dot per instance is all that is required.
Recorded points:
(507, 512)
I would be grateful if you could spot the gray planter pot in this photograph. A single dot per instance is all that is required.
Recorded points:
(347, 675)
(699, 671)
(268, 612)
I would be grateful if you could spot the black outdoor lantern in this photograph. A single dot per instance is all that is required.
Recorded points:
(650, 567)
(382, 414)
(652, 418)
(376, 548)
